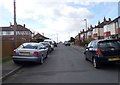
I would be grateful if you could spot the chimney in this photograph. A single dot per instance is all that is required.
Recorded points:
(10, 25)
(43, 34)
(109, 19)
(88, 28)
(83, 30)
(98, 22)
(104, 19)
(24, 25)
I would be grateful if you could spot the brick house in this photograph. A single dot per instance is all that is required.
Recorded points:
(112, 29)
(39, 38)
(77, 39)
(98, 31)
(90, 32)
(22, 33)
(82, 35)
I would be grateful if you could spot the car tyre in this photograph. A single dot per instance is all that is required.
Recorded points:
(46, 55)
(86, 59)
(42, 60)
(95, 63)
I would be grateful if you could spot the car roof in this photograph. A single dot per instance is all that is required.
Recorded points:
(32, 43)
(103, 40)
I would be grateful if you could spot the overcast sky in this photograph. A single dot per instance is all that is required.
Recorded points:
(62, 17)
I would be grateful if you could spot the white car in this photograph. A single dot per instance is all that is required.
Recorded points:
(51, 43)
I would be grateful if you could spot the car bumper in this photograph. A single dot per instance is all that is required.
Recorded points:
(24, 58)
(108, 59)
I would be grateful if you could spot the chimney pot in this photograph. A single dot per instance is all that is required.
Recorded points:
(24, 25)
(109, 19)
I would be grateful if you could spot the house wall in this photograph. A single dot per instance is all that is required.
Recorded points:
(100, 32)
(17, 33)
(106, 31)
(82, 37)
(95, 33)
(119, 25)
(112, 28)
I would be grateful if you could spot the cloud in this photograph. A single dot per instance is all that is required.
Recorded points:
(56, 15)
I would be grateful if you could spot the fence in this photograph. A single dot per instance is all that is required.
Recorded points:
(8, 47)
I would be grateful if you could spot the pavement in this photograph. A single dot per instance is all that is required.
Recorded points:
(8, 68)
(78, 48)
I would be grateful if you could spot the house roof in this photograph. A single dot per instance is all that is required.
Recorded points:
(115, 20)
(10, 28)
(100, 25)
(39, 36)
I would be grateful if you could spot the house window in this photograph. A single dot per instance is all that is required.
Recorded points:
(106, 28)
(116, 24)
(95, 30)
(1, 33)
(4, 33)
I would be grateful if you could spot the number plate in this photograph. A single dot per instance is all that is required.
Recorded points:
(25, 53)
(113, 59)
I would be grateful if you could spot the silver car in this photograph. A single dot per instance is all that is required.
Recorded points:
(47, 45)
(34, 52)
(51, 43)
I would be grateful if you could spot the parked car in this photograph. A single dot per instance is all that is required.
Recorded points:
(66, 43)
(51, 43)
(48, 46)
(55, 44)
(34, 52)
(103, 51)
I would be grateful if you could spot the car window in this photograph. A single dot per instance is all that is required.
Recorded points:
(41, 46)
(94, 44)
(90, 44)
(109, 44)
(29, 46)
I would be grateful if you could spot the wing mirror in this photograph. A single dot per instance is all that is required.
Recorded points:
(88, 47)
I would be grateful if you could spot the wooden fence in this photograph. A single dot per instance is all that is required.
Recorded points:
(8, 47)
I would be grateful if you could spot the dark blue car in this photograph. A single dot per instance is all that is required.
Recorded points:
(103, 51)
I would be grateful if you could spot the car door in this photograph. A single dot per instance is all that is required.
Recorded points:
(92, 50)
(87, 50)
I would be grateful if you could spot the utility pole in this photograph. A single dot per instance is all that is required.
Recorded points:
(15, 24)
(57, 37)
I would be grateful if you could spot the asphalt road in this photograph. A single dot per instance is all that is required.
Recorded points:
(65, 65)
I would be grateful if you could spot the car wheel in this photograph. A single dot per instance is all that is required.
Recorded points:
(42, 60)
(95, 63)
(86, 58)
(46, 55)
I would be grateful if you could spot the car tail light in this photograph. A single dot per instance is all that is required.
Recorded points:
(14, 52)
(35, 53)
(98, 51)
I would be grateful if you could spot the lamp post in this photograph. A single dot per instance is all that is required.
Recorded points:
(86, 26)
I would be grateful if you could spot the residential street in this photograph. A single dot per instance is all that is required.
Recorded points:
(66, 64)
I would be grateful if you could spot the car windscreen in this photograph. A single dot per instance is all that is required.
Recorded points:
(48, 41)
(29, 46)
(105, 45)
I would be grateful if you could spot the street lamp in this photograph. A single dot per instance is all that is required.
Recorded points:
(86, 26)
